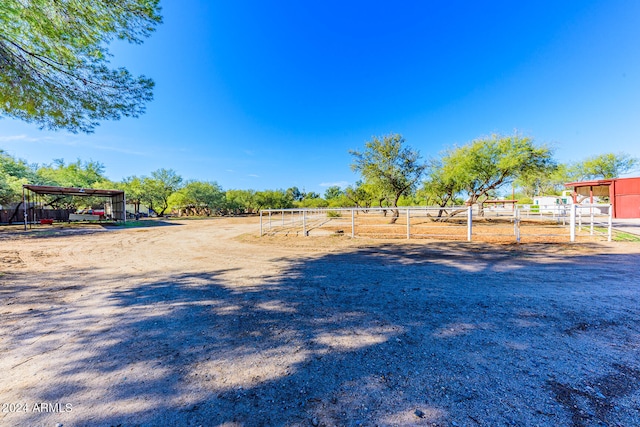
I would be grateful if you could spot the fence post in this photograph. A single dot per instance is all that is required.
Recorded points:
(304, 223)
(269, 219)
(572, 222)
(610, 225)
(579, 213)
(408, 224)
(353, 223)
(469, 222)
(283, 217)
(261, 223)
(516, 224)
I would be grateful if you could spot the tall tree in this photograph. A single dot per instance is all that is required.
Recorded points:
(545, 182)
(14, 173)
(241, 201)
(54, 61)
(199, 198)
(77, 174)
(295, 194)
(608, 165)
(440, 188)
(360, 195)
(159, 187)
(390, 166)
(134, 191)
(333, 192)
(486, 164)
(273, 199)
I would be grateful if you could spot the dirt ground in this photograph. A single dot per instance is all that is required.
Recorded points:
(490, 229)
(202, 323)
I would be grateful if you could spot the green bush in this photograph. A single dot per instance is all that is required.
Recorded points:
(333, 214)
(525, 201)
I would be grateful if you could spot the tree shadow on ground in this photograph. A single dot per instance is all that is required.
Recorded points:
(388, 335)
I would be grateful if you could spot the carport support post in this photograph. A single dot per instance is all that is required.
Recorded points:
(572, 222)
(469, 222)
(24, 206)
(353, 223)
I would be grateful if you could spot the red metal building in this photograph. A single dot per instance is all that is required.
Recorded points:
(623, 194)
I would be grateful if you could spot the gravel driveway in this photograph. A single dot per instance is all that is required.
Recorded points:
(200, 324)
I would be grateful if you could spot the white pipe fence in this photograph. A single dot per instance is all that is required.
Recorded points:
(449, 223)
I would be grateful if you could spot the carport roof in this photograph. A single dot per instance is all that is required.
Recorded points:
(594, 183)
(70, 191)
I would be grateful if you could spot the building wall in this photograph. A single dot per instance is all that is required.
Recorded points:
(627, 197)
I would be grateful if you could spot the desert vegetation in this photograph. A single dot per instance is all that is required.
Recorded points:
(392, 174)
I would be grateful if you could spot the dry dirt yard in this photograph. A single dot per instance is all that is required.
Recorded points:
(201, 323)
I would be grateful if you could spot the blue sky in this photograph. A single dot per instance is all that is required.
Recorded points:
(256, 94)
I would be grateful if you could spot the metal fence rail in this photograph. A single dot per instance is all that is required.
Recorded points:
(553, 222)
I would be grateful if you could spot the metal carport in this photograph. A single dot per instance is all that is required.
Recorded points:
(116, 197)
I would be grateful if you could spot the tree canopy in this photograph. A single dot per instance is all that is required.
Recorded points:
(157, 189)
(199, 198)
(14, 173)
(54, 61)
(608, 165)
(77, 174)
(485, 164)
(388, 165)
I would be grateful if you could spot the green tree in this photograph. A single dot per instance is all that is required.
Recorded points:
(440, 188)
(14, 173)
(391, 167)
(360, 195)
(295, 194)
(159, 187)
(545, 182)
(312, 202)
(199, 198)
(273, 199)
(486, 164)
(241, 201)
(54, 61)
(78, 174)
(333, 192)
(134, 191)
(606, 166)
